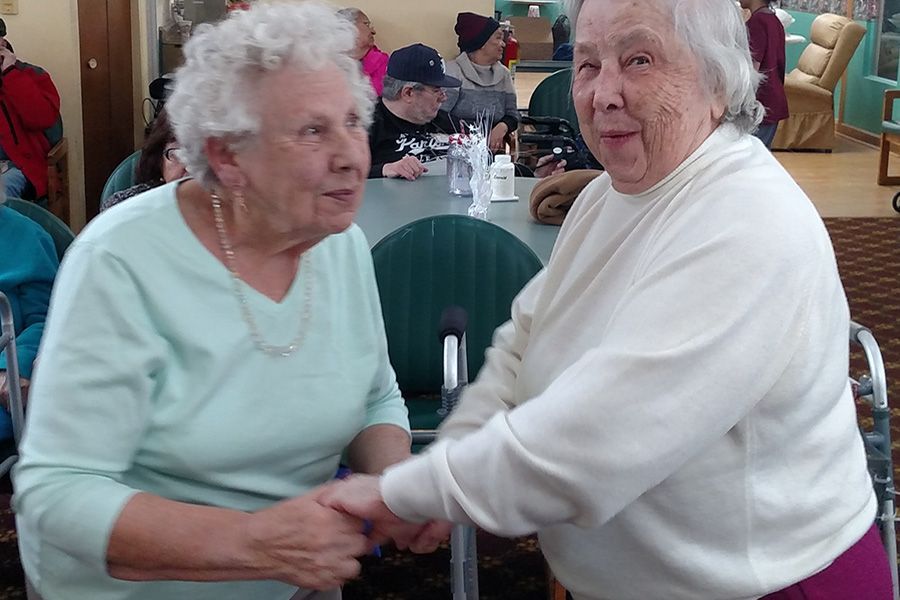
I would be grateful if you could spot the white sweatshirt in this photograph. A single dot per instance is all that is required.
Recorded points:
(669, 404)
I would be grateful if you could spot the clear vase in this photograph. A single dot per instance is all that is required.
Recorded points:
(459, 171)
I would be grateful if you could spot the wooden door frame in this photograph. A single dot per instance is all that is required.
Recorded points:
(109, 88)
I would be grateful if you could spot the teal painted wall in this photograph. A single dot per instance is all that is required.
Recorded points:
(865, 92)
(510, 9)
(801, 26)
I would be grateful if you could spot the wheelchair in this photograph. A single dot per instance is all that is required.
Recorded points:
(541, 136)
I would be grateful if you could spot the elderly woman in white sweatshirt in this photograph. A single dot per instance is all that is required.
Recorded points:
(487, 86)
(669, 405)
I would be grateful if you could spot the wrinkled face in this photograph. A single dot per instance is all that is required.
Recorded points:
(172, 168)
(365, 34)
(305, 170)
(426, 101)
(492, 51)
(495, 45)
(638, 92)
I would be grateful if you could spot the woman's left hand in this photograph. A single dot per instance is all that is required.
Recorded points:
(4, 390)
(305, 542)
(498, 135)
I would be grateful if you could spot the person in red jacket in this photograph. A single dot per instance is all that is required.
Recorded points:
(29, 106)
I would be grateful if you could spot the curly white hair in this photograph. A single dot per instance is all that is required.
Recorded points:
(214, 93)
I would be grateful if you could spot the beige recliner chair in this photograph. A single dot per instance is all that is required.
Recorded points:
(810, 87)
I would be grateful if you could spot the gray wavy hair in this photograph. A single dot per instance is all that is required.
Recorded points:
(716, 35)
(392, 87)
(214, 94)
(351, 14)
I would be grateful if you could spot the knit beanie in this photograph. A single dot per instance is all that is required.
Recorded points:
(474, 30)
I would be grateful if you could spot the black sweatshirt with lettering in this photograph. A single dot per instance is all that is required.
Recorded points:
(391, 138)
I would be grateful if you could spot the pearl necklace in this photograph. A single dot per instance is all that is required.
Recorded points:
(237, 287)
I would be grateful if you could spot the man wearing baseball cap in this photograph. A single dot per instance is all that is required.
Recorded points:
(409, 128)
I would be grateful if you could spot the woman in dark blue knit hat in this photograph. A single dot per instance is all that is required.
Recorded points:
(487, 86)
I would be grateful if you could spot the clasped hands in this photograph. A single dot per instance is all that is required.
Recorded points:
(360, 496)
(313, 541)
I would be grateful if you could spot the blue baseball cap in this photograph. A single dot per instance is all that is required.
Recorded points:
(420, 64)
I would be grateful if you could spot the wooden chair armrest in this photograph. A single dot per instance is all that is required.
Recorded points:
(888, 110)
(58, 180)
(58, 152)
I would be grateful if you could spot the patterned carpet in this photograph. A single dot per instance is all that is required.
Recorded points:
(868, 252)
(868, 255)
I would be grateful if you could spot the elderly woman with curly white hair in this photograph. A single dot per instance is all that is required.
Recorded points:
(214, 349)
(669, 406)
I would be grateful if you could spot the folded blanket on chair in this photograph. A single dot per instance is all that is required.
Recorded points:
(552, 198)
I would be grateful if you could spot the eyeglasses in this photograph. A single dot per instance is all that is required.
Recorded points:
(432, 89)
(169, 154)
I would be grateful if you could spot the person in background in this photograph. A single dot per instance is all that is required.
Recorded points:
(766, 35)
(374, 61)
(28, 265)
(408, 127)
(670, 400)
(214, 349)
(31, 120)
(487, 86)
(157, 165)
(562, 32)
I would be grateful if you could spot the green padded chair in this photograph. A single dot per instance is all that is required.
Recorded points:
(122, 177)
(59, 231)
(428, 265)
(553, 98)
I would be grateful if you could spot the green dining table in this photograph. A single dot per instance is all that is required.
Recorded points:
(391, 203)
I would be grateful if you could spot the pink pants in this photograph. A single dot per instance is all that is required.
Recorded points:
(860, 573)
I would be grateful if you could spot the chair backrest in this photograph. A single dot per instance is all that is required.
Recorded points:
(553, 98)
(60, 233)
(833, 40)
(435, 262)
(58, 181)
(562, 31)
(123, 177)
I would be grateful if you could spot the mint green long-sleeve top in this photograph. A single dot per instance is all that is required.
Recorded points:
(150, 382)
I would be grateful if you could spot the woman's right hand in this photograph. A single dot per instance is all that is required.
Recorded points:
(307, 544)
(549, 165)
(409, 167)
